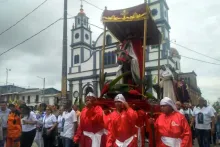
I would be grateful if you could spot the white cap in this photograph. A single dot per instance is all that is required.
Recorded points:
(120, 98)
(168, 101)
(91, 94)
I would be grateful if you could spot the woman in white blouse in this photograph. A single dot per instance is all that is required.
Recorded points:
(28, 122)
(49, 128)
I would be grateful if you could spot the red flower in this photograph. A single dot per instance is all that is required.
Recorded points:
(121, 59)
(105, 89)
(133, 92)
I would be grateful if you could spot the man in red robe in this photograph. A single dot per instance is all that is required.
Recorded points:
(90, 132)
(122, 125)
(172, 129)
(140, 126)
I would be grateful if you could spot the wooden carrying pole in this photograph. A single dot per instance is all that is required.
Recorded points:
(144, 53)
(103, 55)
(158, 95)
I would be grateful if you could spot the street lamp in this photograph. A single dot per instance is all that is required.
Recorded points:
(43, 83)
(7, 70)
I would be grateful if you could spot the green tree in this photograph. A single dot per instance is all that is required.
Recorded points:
(216, 105)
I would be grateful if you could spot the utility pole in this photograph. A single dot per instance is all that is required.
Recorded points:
(7, 70)
(64, 57)
(43, 85)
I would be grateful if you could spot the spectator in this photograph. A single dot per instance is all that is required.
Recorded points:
(49, 128)
(203, 117)
(76, 109)
(179, 107)
(4, 112)
(60, 122)
(69, 125)
(218, 129)
(38, 138)
(14, 127)
(28, 122)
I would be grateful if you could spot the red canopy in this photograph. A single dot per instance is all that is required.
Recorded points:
(131, 20)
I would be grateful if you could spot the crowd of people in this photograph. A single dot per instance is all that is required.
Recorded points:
(203, 120)
(101, 126)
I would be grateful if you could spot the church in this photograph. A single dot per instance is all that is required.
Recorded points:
(84, 70)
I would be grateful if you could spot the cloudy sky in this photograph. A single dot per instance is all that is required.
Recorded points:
(194, 24)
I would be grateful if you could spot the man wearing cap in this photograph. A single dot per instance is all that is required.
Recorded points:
(122, 125)
(90, 132)
(171, 127)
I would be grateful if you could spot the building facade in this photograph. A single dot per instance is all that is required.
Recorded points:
(84, 72)
(190, 78)
(32, 97)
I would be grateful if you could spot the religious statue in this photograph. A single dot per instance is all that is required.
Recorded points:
(181, 90)
(166, 83)
(128, 62)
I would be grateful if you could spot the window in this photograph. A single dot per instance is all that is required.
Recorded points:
(109, 58)
(23, 98)
(77, 35)
(76, 59)
(88, 89)
(177, 66)
(84, 21)
(108, 40)
(78, 20)
(37, 99)
(154, 12)
(29, 100)
(154, 46)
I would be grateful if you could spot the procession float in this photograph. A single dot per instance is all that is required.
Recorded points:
(135, 29)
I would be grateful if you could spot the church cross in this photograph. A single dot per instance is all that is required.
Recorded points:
(124, 13)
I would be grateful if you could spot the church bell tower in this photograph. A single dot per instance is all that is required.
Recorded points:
(159, 10)
(81, 42)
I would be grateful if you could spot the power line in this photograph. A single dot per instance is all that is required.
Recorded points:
(31, 37)
(194, 59)
(175, 54)
(194, 51)
(23, 17)
(86, 22)
(170, 41)
(93, 5)
(199, 60)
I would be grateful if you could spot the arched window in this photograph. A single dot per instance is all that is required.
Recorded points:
(113, 58)
(108, 40)
(85, 21)
(76, 59)
(88, 89)
(109, 57)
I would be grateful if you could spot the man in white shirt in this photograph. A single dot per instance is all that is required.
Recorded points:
(213, 136)
(69, 124)
(203, 117)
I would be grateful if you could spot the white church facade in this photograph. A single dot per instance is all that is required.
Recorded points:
(84, 72)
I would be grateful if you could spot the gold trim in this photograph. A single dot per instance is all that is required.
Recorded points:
(134, 17)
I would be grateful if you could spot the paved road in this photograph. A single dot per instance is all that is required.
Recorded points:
(196, 145)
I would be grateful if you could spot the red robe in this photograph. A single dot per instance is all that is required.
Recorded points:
(107, 120)
(175, 126)
(140, 123)
(122, 127)
(91, 120)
